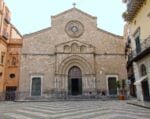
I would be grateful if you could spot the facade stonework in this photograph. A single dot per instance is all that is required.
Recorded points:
(91, 54)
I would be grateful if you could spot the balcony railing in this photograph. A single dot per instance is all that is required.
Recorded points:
(132, 8)
(7, 18)
(145, 45)
(5, 35)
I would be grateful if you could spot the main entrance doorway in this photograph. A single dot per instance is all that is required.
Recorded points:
(75, 81)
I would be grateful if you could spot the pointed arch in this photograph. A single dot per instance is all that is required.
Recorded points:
(75, 60)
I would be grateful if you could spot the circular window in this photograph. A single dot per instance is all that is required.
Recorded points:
(74, 29)
(12, 75)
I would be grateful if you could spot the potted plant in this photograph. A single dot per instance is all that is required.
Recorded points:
(121, 89)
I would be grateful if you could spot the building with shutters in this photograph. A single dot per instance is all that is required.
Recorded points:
(137, 17)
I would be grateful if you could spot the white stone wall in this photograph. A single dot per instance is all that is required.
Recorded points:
(136, 66)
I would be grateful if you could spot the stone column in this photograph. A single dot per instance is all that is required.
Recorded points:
(93, 85)
(85, 86)
(138, 86)
(66, 84)
(55, 82)
(88, 84)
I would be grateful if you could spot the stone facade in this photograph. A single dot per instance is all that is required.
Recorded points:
(52, 52)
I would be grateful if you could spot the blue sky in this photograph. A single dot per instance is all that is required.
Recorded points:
(33, 15)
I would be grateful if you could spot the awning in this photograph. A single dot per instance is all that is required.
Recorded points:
(140, 80)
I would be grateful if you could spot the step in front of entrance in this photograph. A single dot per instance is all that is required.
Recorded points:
(66, 98)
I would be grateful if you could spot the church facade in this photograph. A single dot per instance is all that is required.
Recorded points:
(72, 56)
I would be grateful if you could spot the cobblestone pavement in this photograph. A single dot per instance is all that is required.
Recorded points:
(72, 110)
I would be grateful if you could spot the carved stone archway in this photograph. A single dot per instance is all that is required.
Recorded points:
(88, 77)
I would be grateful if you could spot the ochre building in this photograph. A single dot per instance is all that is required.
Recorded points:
(73, 57)
(137, 17)
(10, 47)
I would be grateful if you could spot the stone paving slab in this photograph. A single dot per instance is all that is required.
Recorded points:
(139, 103)
(73, 110)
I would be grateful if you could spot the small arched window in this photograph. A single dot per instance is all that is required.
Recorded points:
(143, 70)
(66, 48)
(74, 48)
(82, 49)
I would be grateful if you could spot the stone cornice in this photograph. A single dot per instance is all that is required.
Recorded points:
(54, 54)
(37, 32)
(109, 33)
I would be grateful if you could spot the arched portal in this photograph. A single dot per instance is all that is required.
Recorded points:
(75, 81)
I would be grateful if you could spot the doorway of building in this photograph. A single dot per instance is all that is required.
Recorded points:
(145, 90)
(36, 86)
(10, 93)
(75, 81)
(112, 87)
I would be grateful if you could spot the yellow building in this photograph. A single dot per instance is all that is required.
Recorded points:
(10, 44)
(137, 17)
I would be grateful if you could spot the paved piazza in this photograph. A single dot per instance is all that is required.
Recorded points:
(72, 110)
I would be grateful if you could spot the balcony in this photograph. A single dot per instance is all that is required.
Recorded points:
(133, 7)
(5, 35)
(7, 18)
(138, 54)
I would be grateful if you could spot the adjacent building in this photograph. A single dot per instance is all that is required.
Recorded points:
(71, 57)
(137, 17)
(10, 47)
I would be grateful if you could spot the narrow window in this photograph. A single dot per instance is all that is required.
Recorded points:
(143, 70)
(2, 58)
(137, 40)
(1, 75)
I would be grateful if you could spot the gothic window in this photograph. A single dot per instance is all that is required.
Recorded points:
(143, 70)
